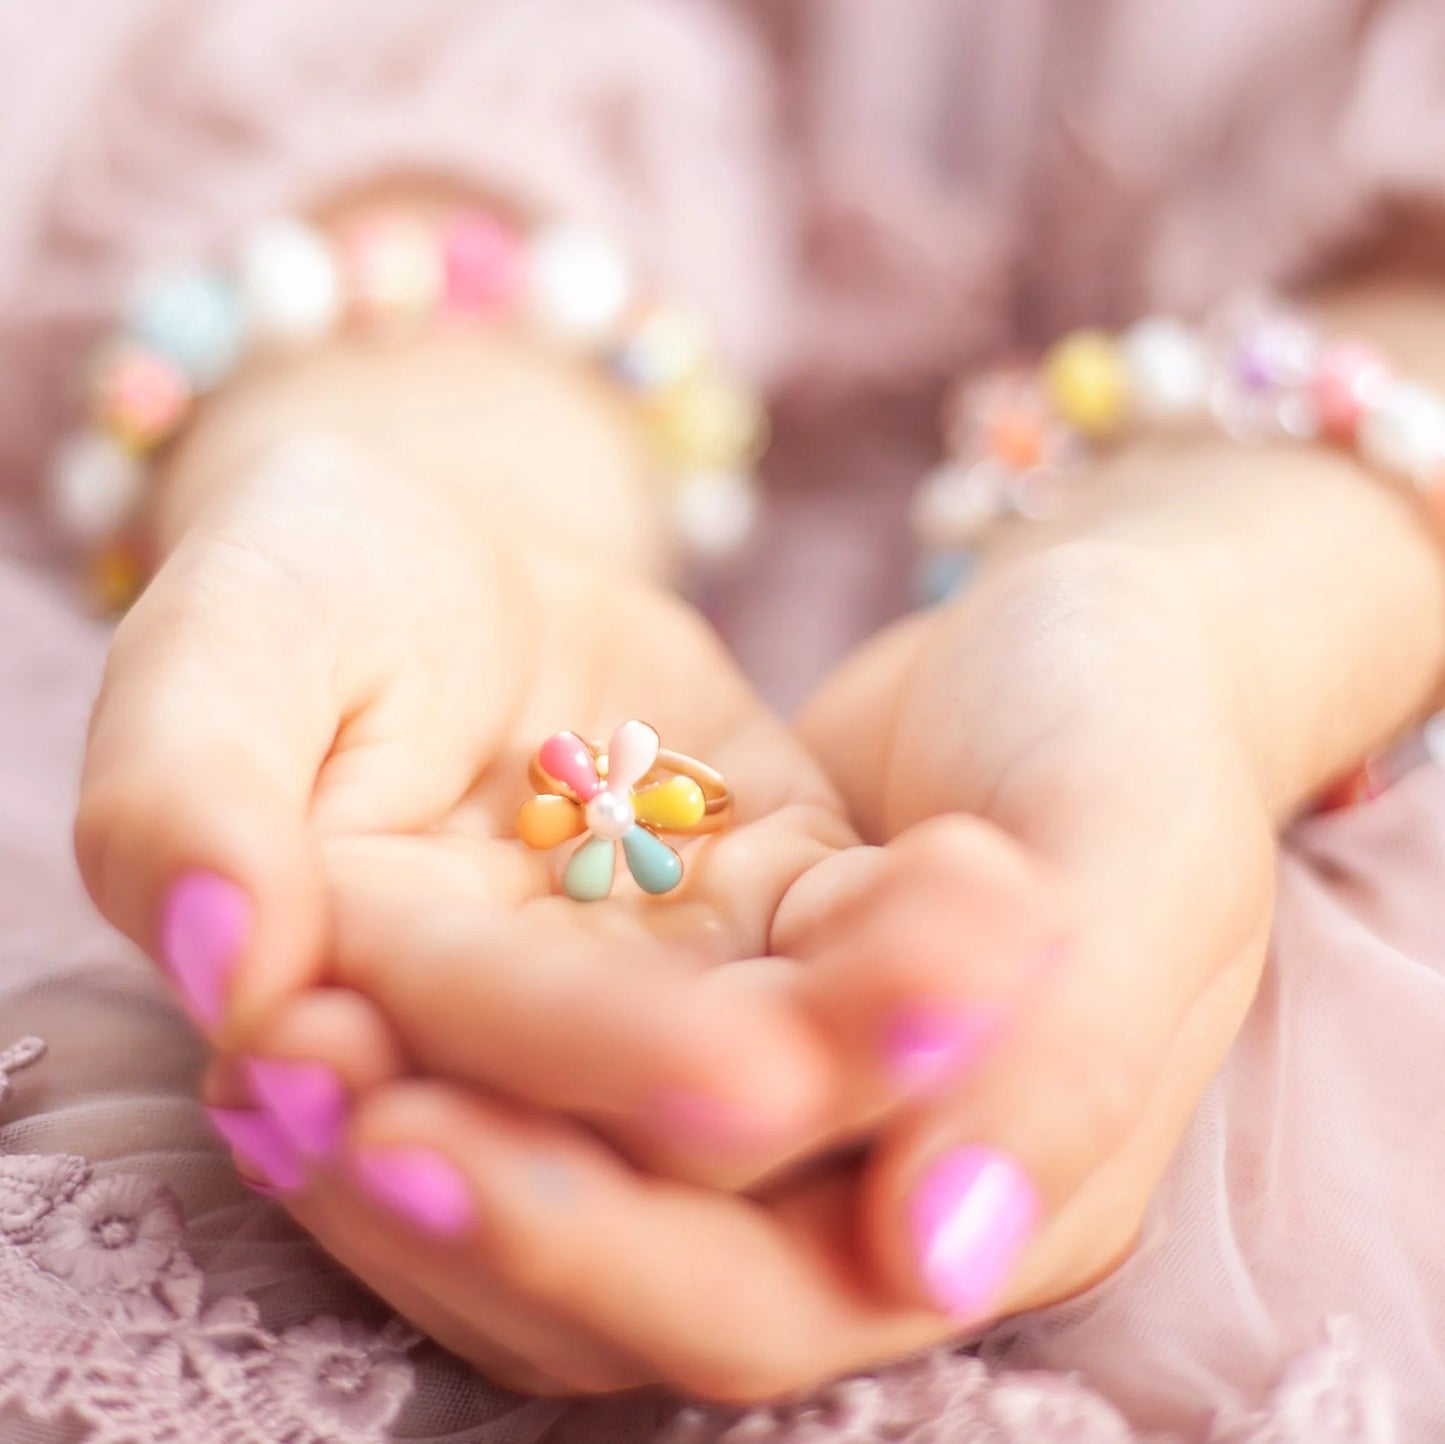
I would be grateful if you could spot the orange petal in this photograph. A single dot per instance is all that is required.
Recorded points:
(546, 820)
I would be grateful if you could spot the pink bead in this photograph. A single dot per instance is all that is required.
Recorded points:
(1348, 375)
(483, 261)
(567, 757)
(139, 396)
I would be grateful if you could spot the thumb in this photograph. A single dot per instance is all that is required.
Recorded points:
(215, 713)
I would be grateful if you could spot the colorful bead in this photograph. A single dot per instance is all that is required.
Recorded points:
(483, 264)
(579, 284)
(1087, 382)
(193, 318)
(714, 513)
(707, 422)
(944, 575)
(393, 268)
(610, 815)
(138, 395)
(1404, 432)
(289, 283)
(661, 350)
(94, 487)
(1168, 370)
(1350, 377)
(115, 577)
(954, 505)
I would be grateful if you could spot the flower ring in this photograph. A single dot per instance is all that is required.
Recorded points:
(584, 788)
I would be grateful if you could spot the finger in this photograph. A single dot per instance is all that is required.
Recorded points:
(722, 1297)
(568, 1008)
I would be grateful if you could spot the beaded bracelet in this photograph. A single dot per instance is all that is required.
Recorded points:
(1019, 442)
(288, 284)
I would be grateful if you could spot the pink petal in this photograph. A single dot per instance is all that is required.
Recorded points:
(567, 757)
(630, 755)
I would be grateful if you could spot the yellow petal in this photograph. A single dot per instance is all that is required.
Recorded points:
(673, 806)
(547, 820)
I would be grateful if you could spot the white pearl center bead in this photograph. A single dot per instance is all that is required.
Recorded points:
(610, 815)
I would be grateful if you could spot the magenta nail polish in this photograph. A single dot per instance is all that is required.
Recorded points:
(925, 1048)
(255, 1136)
(971, 1216)
(420, 1186)
(306, 1101)
(205, 926)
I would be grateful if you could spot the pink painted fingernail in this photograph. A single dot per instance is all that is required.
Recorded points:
(926, 1048)
(420, 1186)
(970, 1217)
(205, 925)
(255, 1136)
(305, 1100)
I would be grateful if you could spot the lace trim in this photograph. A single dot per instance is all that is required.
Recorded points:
(104, 1320)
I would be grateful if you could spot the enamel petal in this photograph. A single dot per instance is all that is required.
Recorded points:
(676, 805)
(588, 877)
(567, 757)
(545, 821)
(630, 755)
(654, 864)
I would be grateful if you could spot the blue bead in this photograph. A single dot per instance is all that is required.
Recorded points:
(194, 319)
(945, 575)
(653, 863)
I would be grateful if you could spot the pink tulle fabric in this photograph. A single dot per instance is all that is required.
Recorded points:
(864, 195)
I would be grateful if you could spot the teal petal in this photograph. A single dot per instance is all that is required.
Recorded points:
(654, 864)
(589, 872)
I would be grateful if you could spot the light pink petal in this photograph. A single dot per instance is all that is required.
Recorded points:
(567, 757)
(630, 755)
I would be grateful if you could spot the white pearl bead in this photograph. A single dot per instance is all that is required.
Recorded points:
(580, 284)
(94, 487)
(1405, 433)
(610, 815)
(714, 513)
(1168, 369)
(954, 506)
(290, 283)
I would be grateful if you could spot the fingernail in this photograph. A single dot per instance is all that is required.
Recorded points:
(925, 1047)
(420, 1186)
(305, 1100)
(205, 924)
(971, 1216)
(255, 1136)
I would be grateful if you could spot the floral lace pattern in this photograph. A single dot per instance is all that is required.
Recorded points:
(103, 1318)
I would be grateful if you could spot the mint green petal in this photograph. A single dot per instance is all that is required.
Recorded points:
(654, 864)
(589, 872)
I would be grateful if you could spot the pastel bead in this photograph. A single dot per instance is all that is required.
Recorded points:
(588, 875)
(610, 815)
(942, 577)
(1349, 378)
(579, 284)
(548, 820)
(138, 395)
(954, 505)
(114, 578)
(1167, 366)
(194, 319)
(709, 423)
(393, 268)
(674, 805)
(661, 350)
(482, 264)
(94, 487)
(630, 755)
(714, 513)
(567, 757)
(289, 281)
(655, 867)
(1404, 433)
(1087, 382)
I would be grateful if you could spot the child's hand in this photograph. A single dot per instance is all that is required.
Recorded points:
(330, 692)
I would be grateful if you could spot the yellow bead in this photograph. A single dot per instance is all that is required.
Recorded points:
(705, 422)
(545, 821)
(115, 579)
(1087, 382)
(676, 805)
